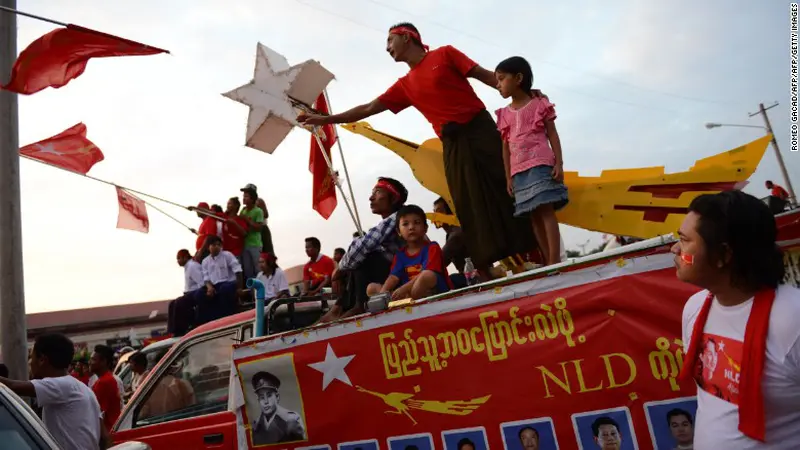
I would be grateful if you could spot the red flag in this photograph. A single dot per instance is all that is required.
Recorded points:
(69, 150)
(132, 212)
(323, 199)
(61, 55)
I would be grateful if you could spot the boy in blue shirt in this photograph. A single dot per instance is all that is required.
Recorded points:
(418, 268)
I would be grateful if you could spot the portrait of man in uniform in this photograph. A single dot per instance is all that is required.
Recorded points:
(276, 424)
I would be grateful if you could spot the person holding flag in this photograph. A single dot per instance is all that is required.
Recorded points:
(437, 84)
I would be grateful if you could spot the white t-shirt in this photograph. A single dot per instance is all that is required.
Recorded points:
(274, 283)
(717, 421)
(70, 412)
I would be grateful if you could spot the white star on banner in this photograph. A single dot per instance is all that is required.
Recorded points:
(270, 93)
(332, 368)
(48, 148)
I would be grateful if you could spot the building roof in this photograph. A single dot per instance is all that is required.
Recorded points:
(104, 315)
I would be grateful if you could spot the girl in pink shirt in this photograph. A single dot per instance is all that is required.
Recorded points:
(532, 154)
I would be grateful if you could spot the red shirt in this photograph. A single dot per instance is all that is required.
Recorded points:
(316, 271)
(207, 228)
(84, 378)
(438, 88)
(232, 238)
(107, 393)
(779, 192)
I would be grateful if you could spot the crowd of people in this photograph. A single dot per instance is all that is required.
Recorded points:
(78, 401)
(232, 246)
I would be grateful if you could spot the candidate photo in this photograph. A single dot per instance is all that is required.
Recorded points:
(671, 423)
(273, 402)
(531, 434)
(359, 445)
(608, 429)
(411, 442)
(465, 439)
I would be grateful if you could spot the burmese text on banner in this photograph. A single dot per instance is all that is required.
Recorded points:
(68, 150)
(61, 55)
(553, 359)
(323, 198)
(132, 212)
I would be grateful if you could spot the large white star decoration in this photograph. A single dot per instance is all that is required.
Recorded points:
(271, 93)
(332, 368)
(48, 148)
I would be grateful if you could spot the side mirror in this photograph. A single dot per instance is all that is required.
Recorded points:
(132, 445)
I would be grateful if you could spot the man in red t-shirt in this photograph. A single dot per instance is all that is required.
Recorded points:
(437, 85)
(234, 229)
(106, 388)
(318, 270)
(208, 227)
(778, 197)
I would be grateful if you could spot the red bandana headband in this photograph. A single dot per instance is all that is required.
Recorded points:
(385, 185)
(409, 32)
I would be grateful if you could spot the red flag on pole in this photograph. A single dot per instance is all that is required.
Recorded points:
(69, 150)
(61, 55)
(132, 212)
(323, 199)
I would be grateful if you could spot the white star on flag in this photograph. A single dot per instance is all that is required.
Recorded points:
(49, 148)
(332, 368)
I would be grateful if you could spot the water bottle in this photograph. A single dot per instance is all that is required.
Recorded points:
(470, 273)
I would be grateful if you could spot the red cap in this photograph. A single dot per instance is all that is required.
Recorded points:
(203, 205)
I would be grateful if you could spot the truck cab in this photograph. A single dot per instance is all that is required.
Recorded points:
(183, 403)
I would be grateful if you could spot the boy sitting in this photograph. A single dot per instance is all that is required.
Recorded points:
(418, 268)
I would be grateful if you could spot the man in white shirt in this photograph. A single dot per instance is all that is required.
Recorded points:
(70, 411)
(223, 280)
(740, 333)
(181, 311)
(272, 277)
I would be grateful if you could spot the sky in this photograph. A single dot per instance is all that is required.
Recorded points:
(633, 83)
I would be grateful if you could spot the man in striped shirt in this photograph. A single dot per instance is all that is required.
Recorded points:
(369, 257)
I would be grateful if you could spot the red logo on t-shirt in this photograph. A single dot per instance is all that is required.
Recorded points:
(719, 367)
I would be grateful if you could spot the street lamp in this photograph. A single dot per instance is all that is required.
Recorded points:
(768, 129)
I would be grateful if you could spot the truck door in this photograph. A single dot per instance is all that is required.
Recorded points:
(185, 404)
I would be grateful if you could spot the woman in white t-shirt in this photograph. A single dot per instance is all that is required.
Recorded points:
(70, 411)
(741, 333)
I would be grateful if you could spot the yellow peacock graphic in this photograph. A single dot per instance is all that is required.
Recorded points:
(403, 403)
(643, 202)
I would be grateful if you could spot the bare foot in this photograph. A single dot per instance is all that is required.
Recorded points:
(354, 311)
(331, 315)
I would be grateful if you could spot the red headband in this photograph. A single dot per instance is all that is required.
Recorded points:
(385, 185)
(409, 32)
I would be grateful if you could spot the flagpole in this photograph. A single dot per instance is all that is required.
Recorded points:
(13, 332)
(338, 184)
(13, 10)
(127, 189)
(344, 166)
(107, 182)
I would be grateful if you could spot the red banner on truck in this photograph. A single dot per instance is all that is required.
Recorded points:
(585, 359)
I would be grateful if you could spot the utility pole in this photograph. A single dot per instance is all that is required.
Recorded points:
(13, 332)
(763, 111)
